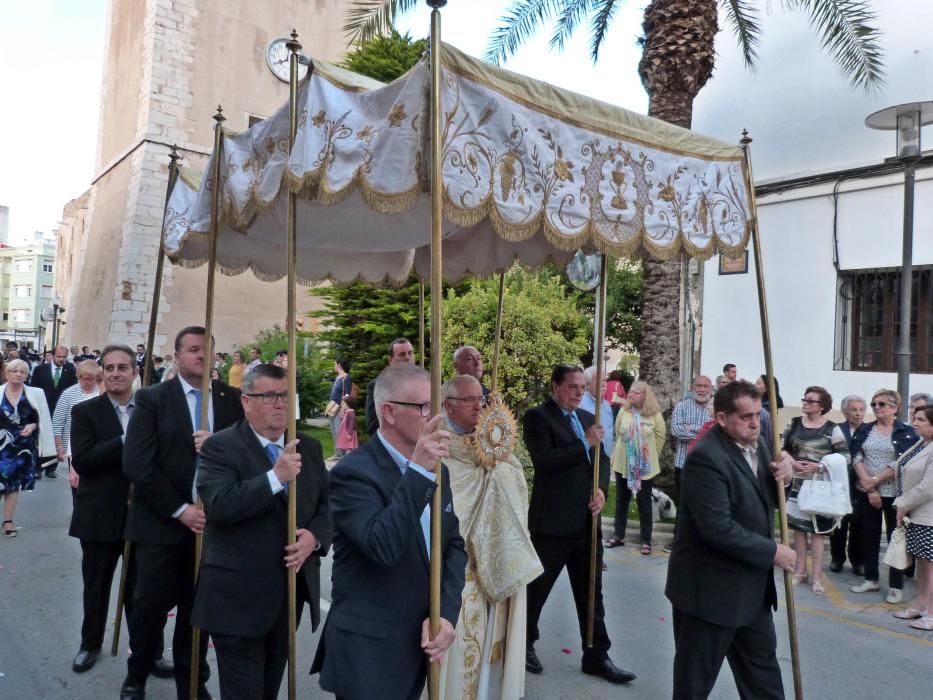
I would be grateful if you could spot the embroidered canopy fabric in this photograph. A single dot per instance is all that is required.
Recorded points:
(530, 173)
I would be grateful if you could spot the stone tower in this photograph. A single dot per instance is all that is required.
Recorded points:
(168, 64)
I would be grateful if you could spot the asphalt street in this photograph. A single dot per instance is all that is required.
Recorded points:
(850, 645)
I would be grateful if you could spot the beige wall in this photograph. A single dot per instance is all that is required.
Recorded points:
(122, 75)
(168, 64)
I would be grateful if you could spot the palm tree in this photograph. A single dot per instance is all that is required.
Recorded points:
(677, 61)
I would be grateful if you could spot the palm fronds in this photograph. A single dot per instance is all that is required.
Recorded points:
(524, 18)
(367, 19)
(744, 18)
(849, 36)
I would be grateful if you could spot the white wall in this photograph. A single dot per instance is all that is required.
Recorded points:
(800, 283)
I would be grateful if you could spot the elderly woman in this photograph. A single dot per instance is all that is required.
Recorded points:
(846, 540)
(876, 447)
(25, 434)
(915, 501)
(90, 376)
(809, 438)
(640, 434)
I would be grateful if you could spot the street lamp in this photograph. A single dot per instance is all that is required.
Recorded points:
(907, 120)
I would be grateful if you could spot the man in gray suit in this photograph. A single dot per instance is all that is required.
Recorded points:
(720, 578)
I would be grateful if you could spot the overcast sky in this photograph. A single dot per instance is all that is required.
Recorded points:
(800, 111)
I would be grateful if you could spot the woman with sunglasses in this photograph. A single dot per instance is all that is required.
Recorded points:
(809, 438)
(915, 501)
(876, 447)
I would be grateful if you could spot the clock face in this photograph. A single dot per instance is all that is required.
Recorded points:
(277, 58)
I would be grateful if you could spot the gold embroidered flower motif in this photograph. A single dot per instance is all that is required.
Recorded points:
(365, 133)
(563, 167)
(319, 118)
(397, 116)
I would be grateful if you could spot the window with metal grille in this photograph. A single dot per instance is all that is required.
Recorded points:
(867, 320)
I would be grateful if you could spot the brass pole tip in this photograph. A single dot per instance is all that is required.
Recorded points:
(746, 139)
(294, 45)
(219, 117)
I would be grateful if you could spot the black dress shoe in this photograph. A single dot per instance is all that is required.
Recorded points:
(532, 663)
(604, 668)
(131, 690)
(163, 669)
(52, 473)
(84, 659)
(835, 565)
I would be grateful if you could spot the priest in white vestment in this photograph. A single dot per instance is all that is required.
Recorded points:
(487, 659)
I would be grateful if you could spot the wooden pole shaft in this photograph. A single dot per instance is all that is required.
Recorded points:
(147, 378)
(772, 400)
(598, 350)
(500, 308)
(208, 362)
(292, 429)
(436, 349)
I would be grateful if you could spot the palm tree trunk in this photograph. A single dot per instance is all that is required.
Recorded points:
(677, 62)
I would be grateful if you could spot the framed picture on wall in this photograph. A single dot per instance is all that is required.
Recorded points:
(737, 265)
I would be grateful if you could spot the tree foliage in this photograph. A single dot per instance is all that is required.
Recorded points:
(541, 327)
(360, 321)
(385, 58)
(312, 372)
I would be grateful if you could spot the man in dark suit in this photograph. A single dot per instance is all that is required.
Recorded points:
(53, 379)
(720, 578)
(241, 596)
(99, 515)
(562, 442)
(160, 457)
(376, 641)
(400, 352)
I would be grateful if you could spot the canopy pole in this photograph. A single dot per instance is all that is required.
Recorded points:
(219, 119)
(147, 378)
(772, 400)
(498, 340)
(598, 349)
(421, 324)
(292, 429)
(437, 506)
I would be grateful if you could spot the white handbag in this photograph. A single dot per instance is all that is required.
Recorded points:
(829, 498)
(896, 556)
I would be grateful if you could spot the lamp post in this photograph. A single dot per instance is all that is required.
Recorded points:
(908, 120)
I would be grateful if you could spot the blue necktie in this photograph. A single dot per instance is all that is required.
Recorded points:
(578, 429)
(197, 409)
(273, 451)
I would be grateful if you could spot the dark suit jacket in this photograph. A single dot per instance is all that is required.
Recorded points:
(97, 448)
(371, 643)
(42, 378)
(722, 561)
(372, 420)
(563, 482)
(159, 457)
(242, 581)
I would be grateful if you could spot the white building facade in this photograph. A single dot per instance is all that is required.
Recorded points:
(832, 251)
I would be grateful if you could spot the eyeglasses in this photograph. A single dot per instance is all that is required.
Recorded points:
(423, 408)
(809, 400)
(472, 400)
(880, 404)
(270, 396)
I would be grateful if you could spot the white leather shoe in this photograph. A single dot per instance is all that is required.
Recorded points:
(895, 595)
(866, 586)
